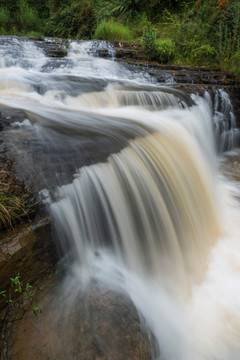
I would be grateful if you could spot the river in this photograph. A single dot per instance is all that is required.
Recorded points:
(142, 183)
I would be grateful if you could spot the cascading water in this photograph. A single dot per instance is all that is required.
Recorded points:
(226, 132)
(151, 215)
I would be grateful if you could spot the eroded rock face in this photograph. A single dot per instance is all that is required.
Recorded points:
(79, 324)
(28, 250)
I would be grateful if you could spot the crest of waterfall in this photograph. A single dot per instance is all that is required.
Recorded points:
(22, 54)
(150, 204)
(113, 97)
(90, 47)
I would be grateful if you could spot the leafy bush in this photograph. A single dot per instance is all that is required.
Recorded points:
(3, 31)
(162, 50)
(139, 24)
(112, 31)
(227, 31)
(28, 18)
(234, 65)
(149, 41)
(165, 50)
(204, 54)
(19, 299)
(5, 18)
(123, 10)
(76, 20)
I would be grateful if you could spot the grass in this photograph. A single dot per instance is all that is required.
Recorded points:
(112, 30)
(13, 198)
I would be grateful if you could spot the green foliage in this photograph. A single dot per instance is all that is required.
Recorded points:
(123, 10)
(28, 18)
(165, 50)
(57, 5)
(5, 18)
(220, 25)
(168, 17)
(235, 63)
(202, 32)
(203, 53)
(74, 20)
(149, 41)
(42, 7)
(11, 6)
(24, 18)
(194, 51)
(227, 31)
(138, 25)
(112, 31)
(19, 298)
(128, 10)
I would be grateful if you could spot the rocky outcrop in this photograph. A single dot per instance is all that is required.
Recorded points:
(133, 54)
(29, 250)
(99, 324)
(53, 47)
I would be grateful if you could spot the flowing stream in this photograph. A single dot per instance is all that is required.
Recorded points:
(142, 197)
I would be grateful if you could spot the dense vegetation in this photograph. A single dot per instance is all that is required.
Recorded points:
(202, 32)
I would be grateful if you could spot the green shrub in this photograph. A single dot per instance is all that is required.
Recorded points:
(149, 41)
(234, 65)
(139, 24)
(5, 18)
(76, 20)
(28, 18)
(165, 50)
(204, 54)
(124, 10)
(3, 31)
(112, 31)
(19, 299)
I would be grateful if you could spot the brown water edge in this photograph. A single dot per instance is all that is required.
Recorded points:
(98, 324)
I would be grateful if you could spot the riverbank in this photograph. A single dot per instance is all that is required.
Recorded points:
(190, 33)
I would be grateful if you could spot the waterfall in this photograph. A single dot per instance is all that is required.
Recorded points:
(152, 213)
(151, 204)
(226, 132)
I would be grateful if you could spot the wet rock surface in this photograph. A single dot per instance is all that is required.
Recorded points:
(27, 247)
(41, 162)
(85, 324)
(133, 54)
(29, 250)
(52, 47)
(186, 74)
(97, 324)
